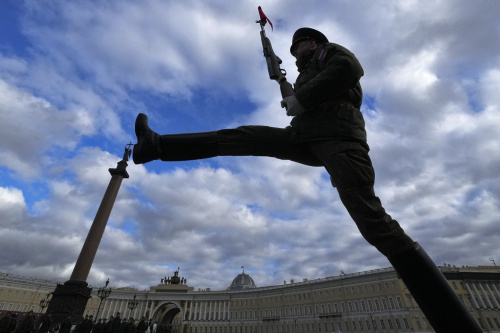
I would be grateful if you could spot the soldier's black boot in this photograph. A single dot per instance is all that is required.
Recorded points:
(435, 297)
(147, 147)
(171, 147)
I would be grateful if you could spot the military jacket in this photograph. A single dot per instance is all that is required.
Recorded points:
(328, 87)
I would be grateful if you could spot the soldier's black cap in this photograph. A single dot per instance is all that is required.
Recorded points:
(307, 33)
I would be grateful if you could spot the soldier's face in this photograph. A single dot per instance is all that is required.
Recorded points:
(304, 47)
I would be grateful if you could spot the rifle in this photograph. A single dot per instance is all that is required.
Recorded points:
(273, 61)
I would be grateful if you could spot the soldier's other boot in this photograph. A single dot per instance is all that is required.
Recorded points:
(147, 147)
(435, 297)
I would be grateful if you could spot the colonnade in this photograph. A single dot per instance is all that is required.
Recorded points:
(111, 306)
(208, 310)
(484, 295)
(211, 310)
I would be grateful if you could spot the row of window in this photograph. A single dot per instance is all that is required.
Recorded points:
(487, 302)
(24, 307)
(333, 326)
(318, 294)
(18, 294)
(377, 304)
(318, 309)
(491, 284)
(344, 307)
(490, 323)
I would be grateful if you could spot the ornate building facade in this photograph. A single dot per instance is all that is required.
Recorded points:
(370, 301)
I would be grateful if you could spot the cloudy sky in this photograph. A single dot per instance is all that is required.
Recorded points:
(75, 74)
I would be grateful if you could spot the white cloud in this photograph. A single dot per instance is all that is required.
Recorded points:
(31, 126)
(12, 206)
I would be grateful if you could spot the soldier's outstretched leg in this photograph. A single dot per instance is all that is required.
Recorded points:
(241, 141)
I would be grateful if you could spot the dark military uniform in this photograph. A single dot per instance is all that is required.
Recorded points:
(330, 133)
(328, 87)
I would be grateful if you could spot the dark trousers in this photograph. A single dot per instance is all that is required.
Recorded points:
(351, 171)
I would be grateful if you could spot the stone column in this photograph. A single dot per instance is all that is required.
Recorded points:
(474, 303)
(89, 249)
(495, 292)
(71, 297)
(486, 296)
(481, 302)
(151, 310)
(471, 295)
(113, 313)
(191, 310)
(492, 294)
(194, 315)
(101, 314)
(139, 313)
(123, 311)
(185, 309)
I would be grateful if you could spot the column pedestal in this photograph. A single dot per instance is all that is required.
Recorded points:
(69, 298)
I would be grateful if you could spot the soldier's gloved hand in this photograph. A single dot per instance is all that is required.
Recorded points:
(292, 105)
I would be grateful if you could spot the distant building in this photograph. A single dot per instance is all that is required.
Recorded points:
(370, 301)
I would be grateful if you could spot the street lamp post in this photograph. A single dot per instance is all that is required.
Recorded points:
(102, 293)
(132, 305)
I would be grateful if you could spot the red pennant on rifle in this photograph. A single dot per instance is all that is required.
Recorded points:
(264, 17)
